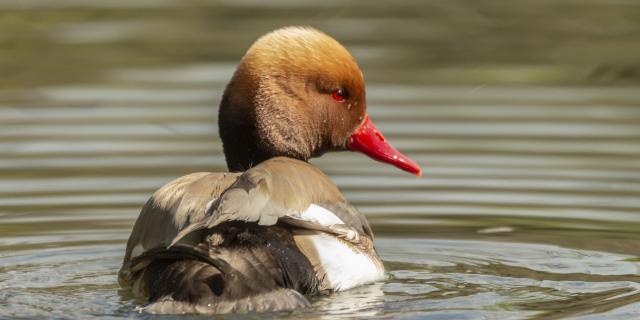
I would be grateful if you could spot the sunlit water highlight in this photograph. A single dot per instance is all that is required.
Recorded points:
(529, 206)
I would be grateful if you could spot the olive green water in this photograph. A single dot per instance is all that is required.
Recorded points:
(525, 116)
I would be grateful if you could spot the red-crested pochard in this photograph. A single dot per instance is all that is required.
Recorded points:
(275, 228)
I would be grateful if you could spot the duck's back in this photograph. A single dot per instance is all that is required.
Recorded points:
(218, 243)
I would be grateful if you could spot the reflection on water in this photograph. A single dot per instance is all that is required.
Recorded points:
(530, 202)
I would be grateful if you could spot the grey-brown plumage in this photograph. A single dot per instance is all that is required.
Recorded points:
(256, 241)
(173, 205)
(249, 268)
(227, 264)
(264, 194)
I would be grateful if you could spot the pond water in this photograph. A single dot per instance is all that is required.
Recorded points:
(525, 117)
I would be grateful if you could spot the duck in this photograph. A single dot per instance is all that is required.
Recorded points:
(274, 231)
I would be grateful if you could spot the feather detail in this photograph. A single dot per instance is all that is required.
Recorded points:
(263, 196)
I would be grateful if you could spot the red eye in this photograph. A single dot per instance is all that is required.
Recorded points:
(338, 95)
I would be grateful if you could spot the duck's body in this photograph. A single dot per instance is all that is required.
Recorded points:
(314, 243)
(263, 239)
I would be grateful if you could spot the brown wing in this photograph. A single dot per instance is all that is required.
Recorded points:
(254, 269)
(172, 206)
(280, 189)
(350, 215)
(237, 266)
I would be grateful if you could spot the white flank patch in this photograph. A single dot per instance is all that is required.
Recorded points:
(320, 215)
(340, 265)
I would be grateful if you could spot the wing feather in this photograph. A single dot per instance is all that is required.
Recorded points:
(281, 189)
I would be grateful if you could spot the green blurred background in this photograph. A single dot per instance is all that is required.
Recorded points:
(524, 114)
(452, 42)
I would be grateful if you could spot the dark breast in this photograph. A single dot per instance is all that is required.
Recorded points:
(252, 270)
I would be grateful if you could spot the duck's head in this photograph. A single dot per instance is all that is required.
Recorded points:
(298, 93)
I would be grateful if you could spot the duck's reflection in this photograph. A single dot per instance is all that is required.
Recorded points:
(364, 301)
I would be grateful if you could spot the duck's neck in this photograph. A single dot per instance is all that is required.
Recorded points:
(238, 136)
(240, 151)
(249, 137)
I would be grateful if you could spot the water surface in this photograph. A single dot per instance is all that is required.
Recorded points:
(524, 117)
